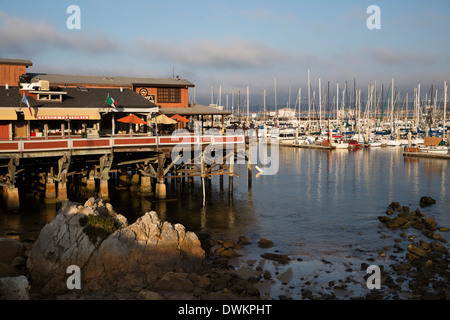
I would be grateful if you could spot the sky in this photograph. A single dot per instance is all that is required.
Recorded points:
(222, 46)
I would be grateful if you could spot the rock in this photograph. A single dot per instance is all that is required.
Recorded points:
(417, 251)
(395, 206)
(133, 256)
(7, 270)
(9, 249)
(264, 243)
(229, 253)
(426, 201)
(402, 267)
(396, 222)
(14, 288)
(228, 244)
(243, 241)
(174, 282)
(281, 258)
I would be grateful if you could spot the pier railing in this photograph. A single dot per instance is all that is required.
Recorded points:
(85, 144)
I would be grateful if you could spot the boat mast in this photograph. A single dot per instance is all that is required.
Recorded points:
(320, 105)
(309, 103)
(275, 89)
(445, 109)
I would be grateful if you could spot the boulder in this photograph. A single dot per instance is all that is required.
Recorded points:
(395, 206)
(14, 288)
(264, 243)
(396, 222)
(281, 258)
(133, 256)
(9, 249)
(426, 201)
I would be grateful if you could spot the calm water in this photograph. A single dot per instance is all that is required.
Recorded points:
(320, 202)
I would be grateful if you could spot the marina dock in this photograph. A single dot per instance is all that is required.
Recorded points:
(427, 155)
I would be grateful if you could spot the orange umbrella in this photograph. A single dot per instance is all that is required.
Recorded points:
(179, 118)
(132, 119)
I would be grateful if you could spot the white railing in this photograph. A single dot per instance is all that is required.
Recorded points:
(55, 144)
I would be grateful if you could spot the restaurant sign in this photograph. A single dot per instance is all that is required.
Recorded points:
(55, 117)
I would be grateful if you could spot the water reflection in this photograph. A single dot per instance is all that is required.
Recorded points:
(318, 201)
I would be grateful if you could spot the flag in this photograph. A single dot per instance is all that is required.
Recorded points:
(25, 100)
(111, 101)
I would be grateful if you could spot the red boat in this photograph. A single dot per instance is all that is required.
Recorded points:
(353, 144)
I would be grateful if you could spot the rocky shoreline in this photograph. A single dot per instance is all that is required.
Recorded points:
(414, 266)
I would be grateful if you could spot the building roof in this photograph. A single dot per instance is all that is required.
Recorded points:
(196, 109)
(70, 80)
(20, 62)
(76, 98)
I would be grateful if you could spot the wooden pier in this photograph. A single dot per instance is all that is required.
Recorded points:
(151, 157)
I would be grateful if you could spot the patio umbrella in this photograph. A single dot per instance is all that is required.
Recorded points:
(179, 118)
(131, 118)
(163, 119)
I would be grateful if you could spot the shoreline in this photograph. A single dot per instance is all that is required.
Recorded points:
(234, 264)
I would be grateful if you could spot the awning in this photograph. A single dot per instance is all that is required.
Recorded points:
(8, 114)
(61, 114)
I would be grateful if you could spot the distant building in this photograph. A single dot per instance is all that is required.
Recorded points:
(11, 70)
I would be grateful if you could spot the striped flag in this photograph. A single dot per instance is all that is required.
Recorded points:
(111, 101)
(25, 100)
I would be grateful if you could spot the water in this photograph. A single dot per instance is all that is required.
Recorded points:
(320, 207)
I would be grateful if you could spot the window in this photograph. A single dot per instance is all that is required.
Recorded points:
(169, 95)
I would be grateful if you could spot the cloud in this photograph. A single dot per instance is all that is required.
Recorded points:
(19, 36)
(389, 57)
(232, 54)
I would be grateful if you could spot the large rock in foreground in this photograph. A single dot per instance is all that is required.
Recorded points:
(134, 255)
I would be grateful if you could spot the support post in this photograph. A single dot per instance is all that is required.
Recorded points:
(231, 176)
(50, 189)
(63, 168)
(11, 193)
(160, 186)
(105, 166)
(146, 185)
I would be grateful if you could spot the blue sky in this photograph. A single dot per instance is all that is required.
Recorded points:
(235, 44)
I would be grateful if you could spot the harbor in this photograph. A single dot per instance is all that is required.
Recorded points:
(213, 159)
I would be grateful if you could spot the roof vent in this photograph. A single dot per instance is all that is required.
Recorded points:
(82, 89)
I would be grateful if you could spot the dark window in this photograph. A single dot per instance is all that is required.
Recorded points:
(169, 95)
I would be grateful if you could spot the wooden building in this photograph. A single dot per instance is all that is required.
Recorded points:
(11, 70)
(164, 92)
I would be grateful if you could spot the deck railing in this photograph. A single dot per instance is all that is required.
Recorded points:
(46, 145)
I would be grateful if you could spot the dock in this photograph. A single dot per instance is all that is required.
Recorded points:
(159, 158)
(427, 155)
